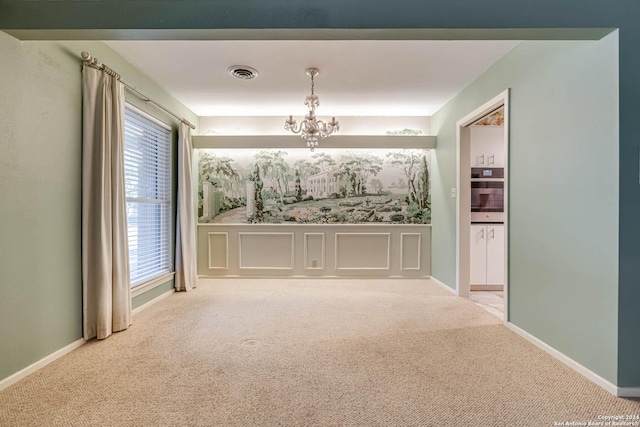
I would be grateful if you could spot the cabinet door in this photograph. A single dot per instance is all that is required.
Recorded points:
(495, 254)
(478, 148)
(494, 144)
(478, 268)
(487, 146)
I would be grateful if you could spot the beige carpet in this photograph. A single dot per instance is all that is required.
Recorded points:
(309, 353)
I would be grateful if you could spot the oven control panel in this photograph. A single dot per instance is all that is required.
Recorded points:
(487, 173)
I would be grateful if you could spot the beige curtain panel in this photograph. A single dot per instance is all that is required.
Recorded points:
(105, 254)
(185, 279)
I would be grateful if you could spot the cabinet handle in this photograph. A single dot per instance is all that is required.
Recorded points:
(482, 159)
(493, 159)
(492, 234)
(482, 233)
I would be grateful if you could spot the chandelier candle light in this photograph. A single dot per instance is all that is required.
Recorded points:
(311, 128)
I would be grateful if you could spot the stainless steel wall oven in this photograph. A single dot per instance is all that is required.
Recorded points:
(487, 195)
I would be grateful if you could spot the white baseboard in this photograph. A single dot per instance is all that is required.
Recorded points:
(301, 276)
(153, 301)
(65, 350)
(40, 364)
(442, 285)
(628, 392)
(587, 373)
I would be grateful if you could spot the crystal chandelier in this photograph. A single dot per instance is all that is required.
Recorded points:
(311, 128)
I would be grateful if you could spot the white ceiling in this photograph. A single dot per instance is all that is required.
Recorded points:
(357, 78)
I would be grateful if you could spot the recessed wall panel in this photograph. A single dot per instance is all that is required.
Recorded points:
(410, 251)
(362, 251)
(314, 251)
(267, 251)
(218, 250)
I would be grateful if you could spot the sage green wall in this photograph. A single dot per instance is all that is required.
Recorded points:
(563, 195)
(40, 192)
(151, 294)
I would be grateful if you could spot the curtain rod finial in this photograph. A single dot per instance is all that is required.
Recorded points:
(85, 55)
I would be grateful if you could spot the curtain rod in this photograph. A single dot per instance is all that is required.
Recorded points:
(93, 62)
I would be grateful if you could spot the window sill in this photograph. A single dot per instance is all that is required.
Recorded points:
(153, 283)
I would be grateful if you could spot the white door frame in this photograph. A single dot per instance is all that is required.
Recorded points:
(463, 199)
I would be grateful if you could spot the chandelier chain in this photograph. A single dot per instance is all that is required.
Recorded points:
(312, 83)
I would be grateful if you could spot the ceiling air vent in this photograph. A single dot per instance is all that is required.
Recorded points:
(243, 72)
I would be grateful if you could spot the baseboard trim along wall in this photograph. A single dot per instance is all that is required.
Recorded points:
(297, 277)
(442, 285)
(628, 392)
(587, 373)
(40, 364)
(153, 301)
(65, 350)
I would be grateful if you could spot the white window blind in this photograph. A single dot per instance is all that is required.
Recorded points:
(147, 175)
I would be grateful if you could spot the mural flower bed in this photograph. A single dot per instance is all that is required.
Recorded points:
(330, 187)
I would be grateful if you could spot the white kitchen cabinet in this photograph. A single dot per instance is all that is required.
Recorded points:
(487, 254)
(487, 147)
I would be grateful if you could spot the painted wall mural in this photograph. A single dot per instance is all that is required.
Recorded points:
(496, 118)
(332, 186)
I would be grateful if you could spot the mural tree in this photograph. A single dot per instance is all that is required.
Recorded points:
(275, 168)
(305, 170)
(298, 187)
(400, 184)
(357, 168)
(323, 161)
(257, 194)
(408, 161)
(348, 177)
(424, 184)
(220, 170)
(376, 185)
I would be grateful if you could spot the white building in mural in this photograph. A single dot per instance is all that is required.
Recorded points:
(322, 184)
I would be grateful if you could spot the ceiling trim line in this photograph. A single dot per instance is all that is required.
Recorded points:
(314, 34)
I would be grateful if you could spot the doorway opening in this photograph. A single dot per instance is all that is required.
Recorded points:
(482, 142)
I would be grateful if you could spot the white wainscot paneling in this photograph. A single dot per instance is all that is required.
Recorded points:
(410, 251)
(314, 251)
(363, 251)
(218, 250)
(266, 251)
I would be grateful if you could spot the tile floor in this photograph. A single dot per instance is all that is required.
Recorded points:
(491, 301)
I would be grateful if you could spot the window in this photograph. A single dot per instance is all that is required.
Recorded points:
(147, 177)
